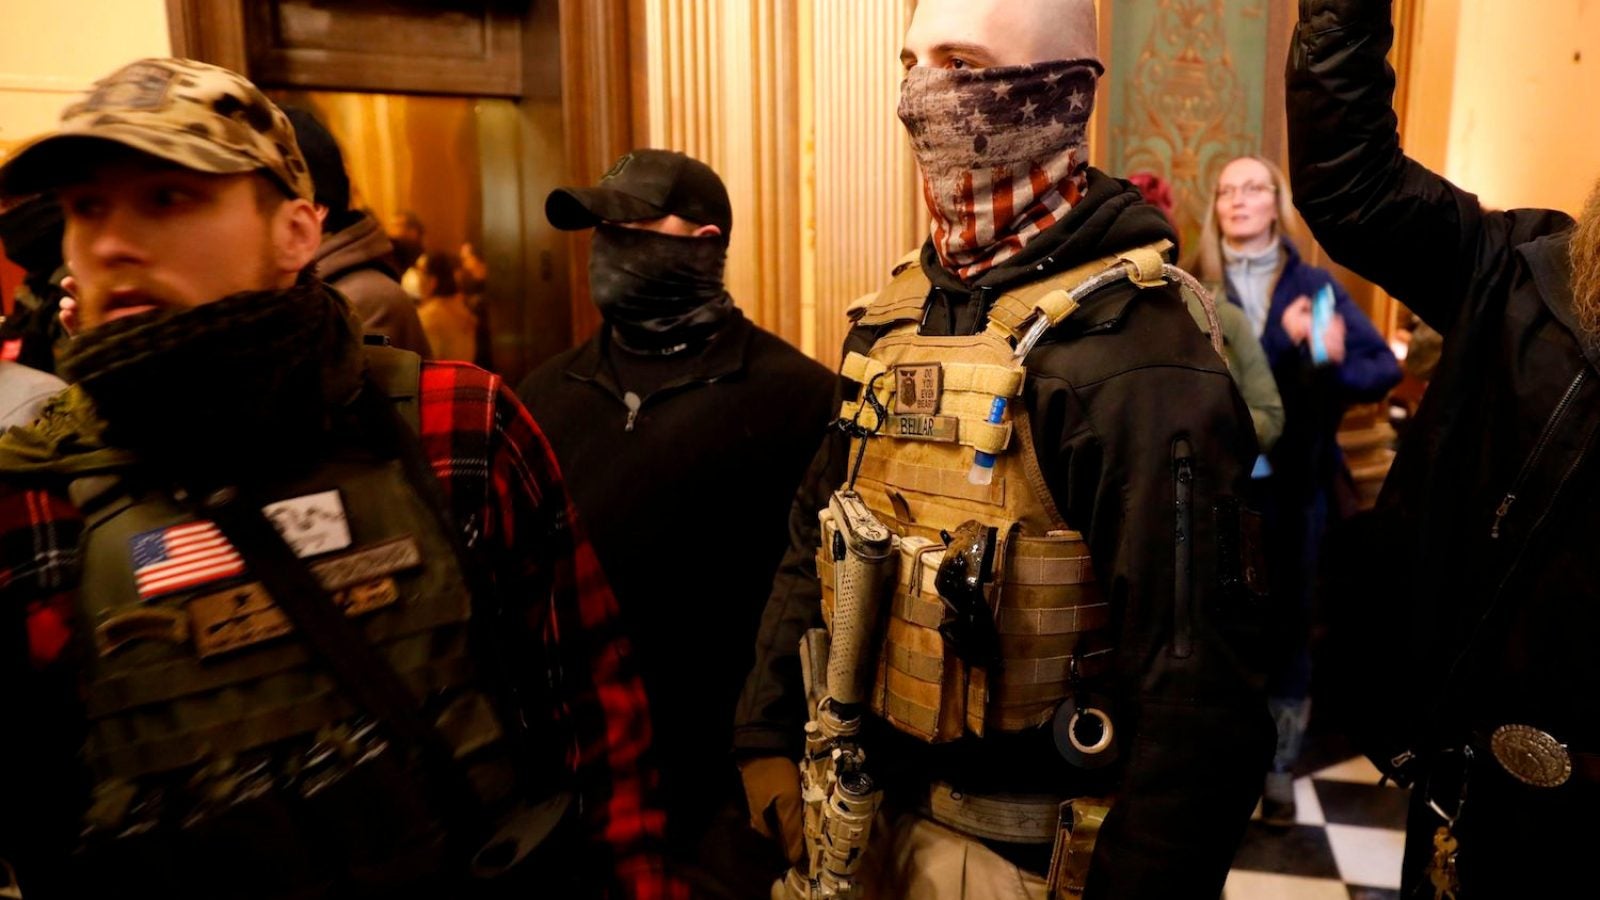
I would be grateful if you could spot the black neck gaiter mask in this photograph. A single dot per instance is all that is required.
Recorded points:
(660, 293)
(248, 382)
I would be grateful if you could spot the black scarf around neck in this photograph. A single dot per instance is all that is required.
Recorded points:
(250, 380)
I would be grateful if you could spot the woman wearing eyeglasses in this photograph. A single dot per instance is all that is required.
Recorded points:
(1244, 250)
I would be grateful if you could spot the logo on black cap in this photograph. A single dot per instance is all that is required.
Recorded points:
(617, 167)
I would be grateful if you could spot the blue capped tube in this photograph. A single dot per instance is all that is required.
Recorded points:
(982, 471)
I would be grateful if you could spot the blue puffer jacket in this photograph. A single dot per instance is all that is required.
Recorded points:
(1306, 458)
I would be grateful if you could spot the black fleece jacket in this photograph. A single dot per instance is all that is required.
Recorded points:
(1145, 445)
(685, 502)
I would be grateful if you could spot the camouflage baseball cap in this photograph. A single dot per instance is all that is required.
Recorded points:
(196, 115)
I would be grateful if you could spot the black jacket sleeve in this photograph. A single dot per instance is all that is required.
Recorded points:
(1382, 214)
(771, 715)
(1147, 459)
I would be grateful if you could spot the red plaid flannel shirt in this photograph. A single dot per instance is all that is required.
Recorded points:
(504, 487)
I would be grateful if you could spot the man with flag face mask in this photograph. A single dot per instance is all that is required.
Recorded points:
(682, 429)
(1041, 664)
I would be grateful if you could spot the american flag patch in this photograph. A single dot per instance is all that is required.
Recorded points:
(181, 557)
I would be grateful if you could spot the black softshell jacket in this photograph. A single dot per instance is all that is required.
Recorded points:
(1477, 580)
(1145, 445)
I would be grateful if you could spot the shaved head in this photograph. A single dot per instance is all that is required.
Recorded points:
(985, 33)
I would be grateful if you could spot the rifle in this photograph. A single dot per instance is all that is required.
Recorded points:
(840, 796)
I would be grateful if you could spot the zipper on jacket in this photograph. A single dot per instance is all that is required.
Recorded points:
(1183, 544)
(1539, 446)
(632, 402)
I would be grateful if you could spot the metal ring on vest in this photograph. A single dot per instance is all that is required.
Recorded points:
(1084, 733)
(1101, 726)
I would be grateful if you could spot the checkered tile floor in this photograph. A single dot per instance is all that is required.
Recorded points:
(1345, 845)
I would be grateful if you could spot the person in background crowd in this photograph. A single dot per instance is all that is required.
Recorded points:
(1476, 584)
(472, 273)
(1246, 361)
(30, 233)
(406, 233)
(472, 279)
(356, 258)
(451, 327)
(442, 677)
(683, 429)
(23, 392)
(1090, 628)
(1245, 249)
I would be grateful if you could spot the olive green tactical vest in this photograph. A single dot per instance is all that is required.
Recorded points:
(201, 676)
(938, 393)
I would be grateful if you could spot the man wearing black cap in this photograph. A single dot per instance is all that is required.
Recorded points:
(356, 258)
(683, 430)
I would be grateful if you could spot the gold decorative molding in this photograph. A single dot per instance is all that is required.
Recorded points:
(1184, 107)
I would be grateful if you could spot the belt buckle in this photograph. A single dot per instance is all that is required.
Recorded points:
(1531, 756)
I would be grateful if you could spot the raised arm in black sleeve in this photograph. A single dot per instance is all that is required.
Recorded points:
(1382, 214)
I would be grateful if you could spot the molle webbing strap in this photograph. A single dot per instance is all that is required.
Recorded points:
(1049, 570)
(913, 258)
(863, 305)
(921, 666)
(858, 306)
(1060, 620)
(969, 431)
(967, 392)
(985, 379)
(926, 611)
(1055, 669)
(914, 714)
(902, 301)
(861, 369)
(1043, 626)
(238, 734)
(177, 678)
(935, 480)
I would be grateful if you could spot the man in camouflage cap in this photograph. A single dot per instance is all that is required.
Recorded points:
(198, 116)
(252, 726)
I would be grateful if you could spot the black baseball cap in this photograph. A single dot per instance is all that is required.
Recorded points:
(321, 149)
(645, 184)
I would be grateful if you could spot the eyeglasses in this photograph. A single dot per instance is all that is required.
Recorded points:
(1249, 190)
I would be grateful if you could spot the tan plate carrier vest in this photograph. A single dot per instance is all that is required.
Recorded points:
(1050, 615)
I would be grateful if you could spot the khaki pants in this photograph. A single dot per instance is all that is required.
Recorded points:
(913, 858)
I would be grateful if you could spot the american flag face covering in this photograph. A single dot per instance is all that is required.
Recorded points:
(1003, 153)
